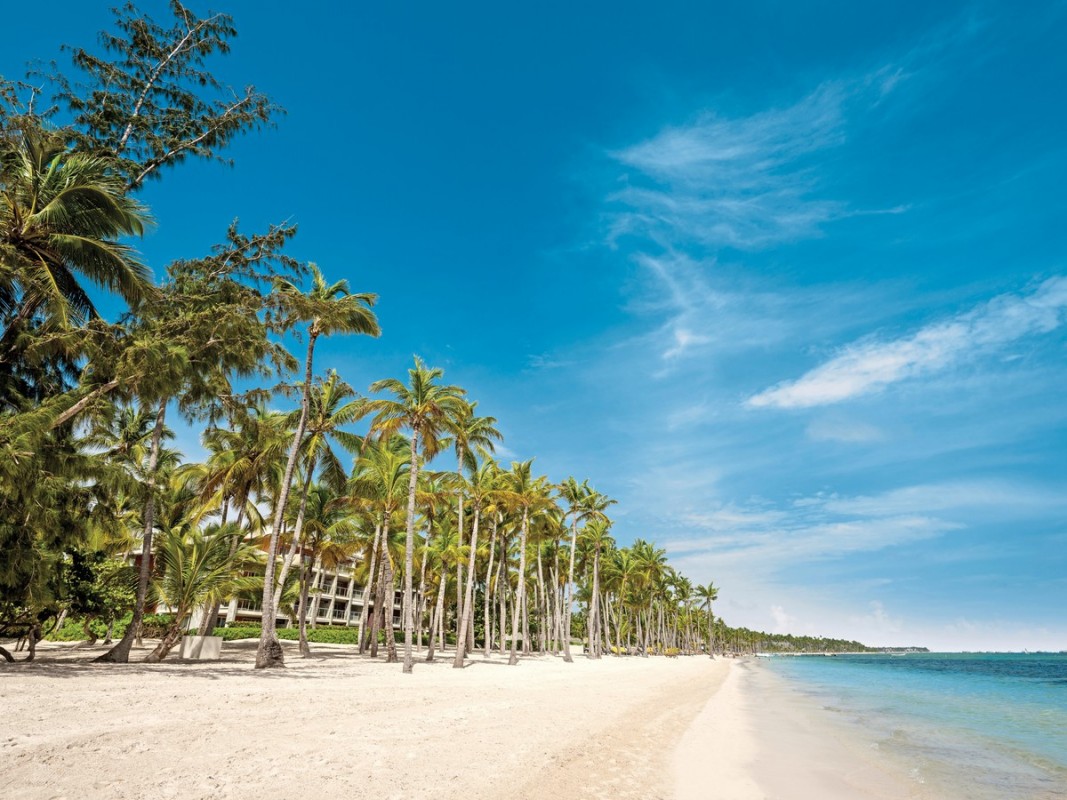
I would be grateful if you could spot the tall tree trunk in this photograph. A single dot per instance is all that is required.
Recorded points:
(389, 586)
(305, 573)
(269, 653)
(570, 598)
(468, 596)
(501, 588)
(487, 594)
(604, 612)
(409, 554)
(421, 615)
(438, 614)
(592, 625)
(379, 603)
(513, 659)
(371, 580)
(378, 615)
(541, 604)
(298, 533)
(120, 653)
(461, 522)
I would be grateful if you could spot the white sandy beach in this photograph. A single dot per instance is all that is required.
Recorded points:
(337, 725)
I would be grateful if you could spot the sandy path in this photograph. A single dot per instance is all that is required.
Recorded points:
(340, 726)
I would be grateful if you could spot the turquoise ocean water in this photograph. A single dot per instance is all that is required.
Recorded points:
(988, 725)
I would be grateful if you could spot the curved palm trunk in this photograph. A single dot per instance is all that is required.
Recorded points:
(513, 659)
(486, 594)
(421, 612)
(305, 564)
(298, 532)
(468, 596)
(409, 554)
(120, 653)
(501, 591)
(438, 615)
(570, 598)
(541, 604)
(371, 579)
(592, 624)
(379, 602)
(460, 522)
(389, 585)
(269, 653)
(166, 644)
(711, 632)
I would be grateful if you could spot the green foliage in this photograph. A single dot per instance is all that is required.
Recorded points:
(149, 101)
(98, 586)
(153, 626)
(326, 635)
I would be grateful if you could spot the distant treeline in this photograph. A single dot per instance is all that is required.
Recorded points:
(743, 640)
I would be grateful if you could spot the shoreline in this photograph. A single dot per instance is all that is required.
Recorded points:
(689, 728)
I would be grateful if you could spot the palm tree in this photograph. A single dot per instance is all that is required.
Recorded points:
(243, 463)
(526, 494)
(195, 565)
(482, 485)
(583, 503)
(651, 569)
(424, 407)
(445, 552)
(707, 594)
(60, 218)
(333, 404)
(329, 308)
(597, 540)
(468, 431)
(329, 535)
(377, 485)
(433, 494)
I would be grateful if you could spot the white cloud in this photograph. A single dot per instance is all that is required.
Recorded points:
(878, 621)
(871, 365)
(741, 182)
(783, 623)
(986, 497)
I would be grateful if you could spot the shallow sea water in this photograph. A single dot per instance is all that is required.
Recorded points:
(992, 726)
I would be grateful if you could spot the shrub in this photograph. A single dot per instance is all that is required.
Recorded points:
(320, 635)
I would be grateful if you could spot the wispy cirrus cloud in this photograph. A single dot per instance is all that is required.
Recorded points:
(870, 365)
(759, 537)
(744, 182)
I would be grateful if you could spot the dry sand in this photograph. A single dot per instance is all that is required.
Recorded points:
(338, 725)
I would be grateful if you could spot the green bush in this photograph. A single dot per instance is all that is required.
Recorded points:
(152, 627)
(320, 635)
(73, 630)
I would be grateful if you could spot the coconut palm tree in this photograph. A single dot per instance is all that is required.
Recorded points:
(377, 486)
(584, 503)
(329, 529)
(424, 407)
(195, 565)
(651, 570)
(468, 431)
(433, 495)
(596, 540)
(707, 595)
(61, 216)
(527, 495)
(482, 486)
(328, 309)
(333, 404)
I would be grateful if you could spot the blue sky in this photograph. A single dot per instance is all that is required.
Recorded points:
(786, 280)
